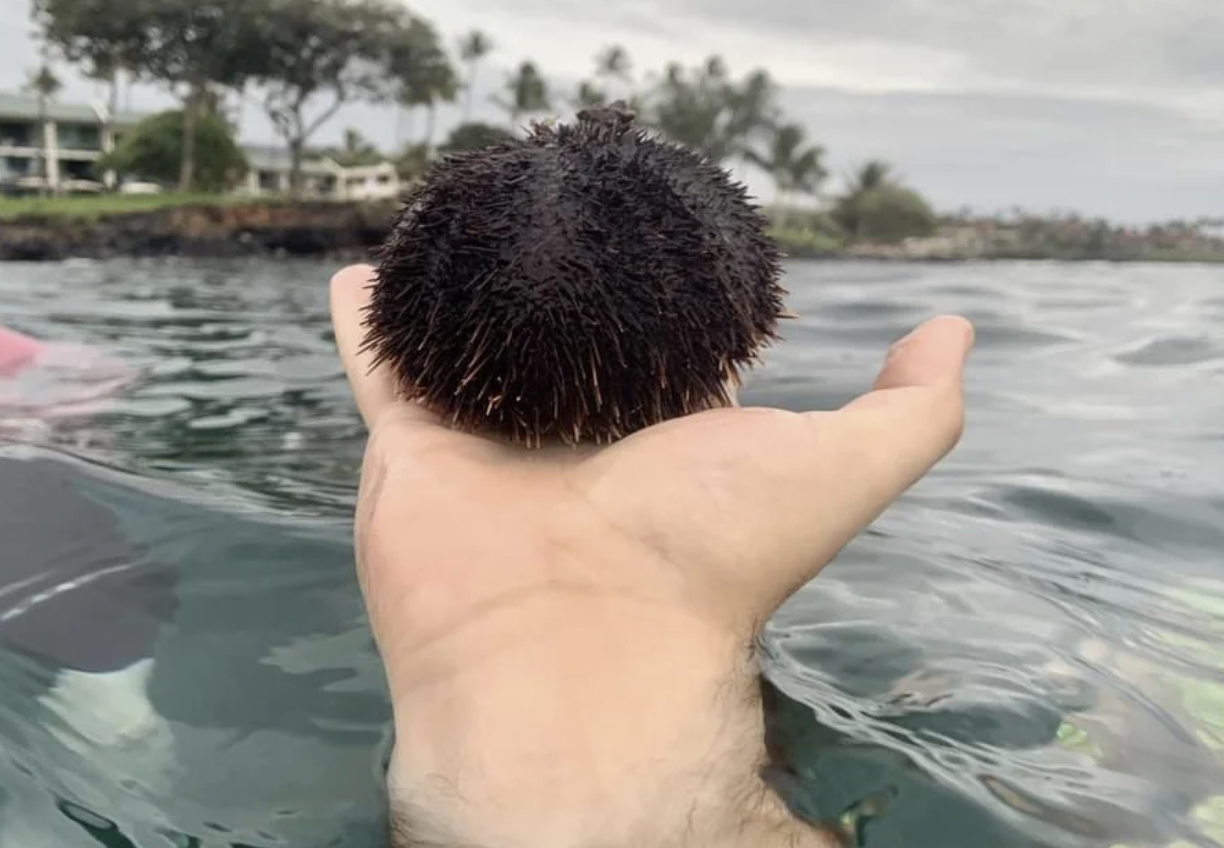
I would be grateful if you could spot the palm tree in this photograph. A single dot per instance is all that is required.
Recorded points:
(613, 63)
(44, 84)
(870, 177)
(751, 114)
(425, 88)
(355, 150)
(614, 69)
(472, 48)
(705, 109)
(794, 165)
(443, 88)
(423, 74)
(588, 94)
(527, 92)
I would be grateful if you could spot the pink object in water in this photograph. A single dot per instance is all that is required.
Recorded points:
(52, 379)
(16, 351)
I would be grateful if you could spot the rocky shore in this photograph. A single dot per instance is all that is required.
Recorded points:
(328, 230)
(346, 232)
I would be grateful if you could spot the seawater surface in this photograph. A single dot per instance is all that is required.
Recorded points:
(1026, 650)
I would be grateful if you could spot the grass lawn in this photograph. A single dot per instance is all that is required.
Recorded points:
(90, 207)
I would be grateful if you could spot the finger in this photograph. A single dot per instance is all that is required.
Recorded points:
(912, 417)
(817, 480)
(373, 388)
(932, 356)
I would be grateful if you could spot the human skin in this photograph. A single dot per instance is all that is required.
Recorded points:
(569, 634)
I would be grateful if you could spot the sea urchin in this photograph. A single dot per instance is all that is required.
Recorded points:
(576, 285)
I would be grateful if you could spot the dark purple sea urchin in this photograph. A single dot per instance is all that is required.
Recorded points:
(576, 285)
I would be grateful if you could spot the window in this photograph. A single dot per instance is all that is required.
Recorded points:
(15, 167)
(80, 137)
(18, 134)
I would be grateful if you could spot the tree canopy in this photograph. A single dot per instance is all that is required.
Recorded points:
(153, 151)
(472, 136)
(306, 59)
(876, 207)
(319, 55)
(186, 46)
(704, 108)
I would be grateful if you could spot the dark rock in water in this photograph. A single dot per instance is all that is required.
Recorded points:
(577, 285)
(333, 230)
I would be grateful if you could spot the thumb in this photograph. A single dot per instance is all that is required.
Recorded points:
(826, 478)
(915, 412)
(932, 356)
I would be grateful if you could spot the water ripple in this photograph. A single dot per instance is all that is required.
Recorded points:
(1027, 650)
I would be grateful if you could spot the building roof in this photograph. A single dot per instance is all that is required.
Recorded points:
(24, 106)
(271, 158)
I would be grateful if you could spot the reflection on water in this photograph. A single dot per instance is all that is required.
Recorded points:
(1028, 650)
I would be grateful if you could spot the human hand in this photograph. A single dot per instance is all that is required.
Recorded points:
(568, 634)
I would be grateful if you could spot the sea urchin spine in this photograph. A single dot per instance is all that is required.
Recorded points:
(576, 285)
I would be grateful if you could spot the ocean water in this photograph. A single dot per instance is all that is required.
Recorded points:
(1026, 650)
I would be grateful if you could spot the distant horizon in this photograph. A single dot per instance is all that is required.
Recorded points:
(1023, 114)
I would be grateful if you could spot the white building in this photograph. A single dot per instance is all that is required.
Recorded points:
(322, 177)
(73, 137)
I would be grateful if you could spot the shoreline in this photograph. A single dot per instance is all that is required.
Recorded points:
(201, 230)
(237, 228)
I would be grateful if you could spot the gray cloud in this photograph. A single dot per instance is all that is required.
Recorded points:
(1128, 159)
(1118, 44)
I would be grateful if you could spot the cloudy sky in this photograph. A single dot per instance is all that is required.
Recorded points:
(1112, 107)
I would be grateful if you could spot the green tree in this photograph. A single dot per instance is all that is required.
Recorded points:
(526, 92)
(187, 46)
(794, 165)
(97, 36)
(876, 207)
(320, 55)
(473, 136)
(613, 61)
(423, 74)
(412, 162)
(356, 150)
(153, 151)
(472, 48)
(871, 175)
(613, 64)
(196, 45)
(893, 213)
(588, 94)
(706, 110)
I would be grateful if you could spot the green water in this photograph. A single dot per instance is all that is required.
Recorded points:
(1028, 650)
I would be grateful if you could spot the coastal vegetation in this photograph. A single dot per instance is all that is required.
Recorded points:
(88, 207)
(154, 149)
(301, 61)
